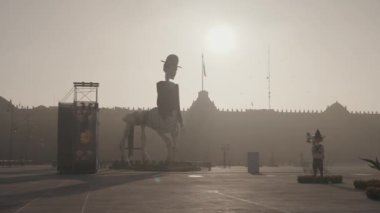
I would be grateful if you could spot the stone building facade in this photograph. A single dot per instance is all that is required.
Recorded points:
(277, 135)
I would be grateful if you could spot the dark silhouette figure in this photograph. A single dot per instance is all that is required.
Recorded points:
(168, 92)
(164, 118)
(318, 153)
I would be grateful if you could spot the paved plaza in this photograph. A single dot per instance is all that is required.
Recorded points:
(39, 189)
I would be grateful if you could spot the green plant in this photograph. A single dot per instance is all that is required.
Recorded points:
(318, 179)
(373, 193)
(375, 164)
(363, 184)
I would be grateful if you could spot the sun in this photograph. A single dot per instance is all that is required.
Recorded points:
(220, 39)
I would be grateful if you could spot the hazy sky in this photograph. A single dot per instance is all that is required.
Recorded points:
(321, 51)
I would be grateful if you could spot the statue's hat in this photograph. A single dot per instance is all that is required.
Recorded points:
(318, 136)
(172, 59)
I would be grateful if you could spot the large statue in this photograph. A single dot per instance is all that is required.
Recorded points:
(164, 119)
(168, 94)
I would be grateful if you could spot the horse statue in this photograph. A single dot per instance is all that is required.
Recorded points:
(163, 119)
(167, 129)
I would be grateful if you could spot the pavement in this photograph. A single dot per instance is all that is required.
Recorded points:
(40, 189)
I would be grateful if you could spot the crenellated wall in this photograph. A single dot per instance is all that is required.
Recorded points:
(277, 133)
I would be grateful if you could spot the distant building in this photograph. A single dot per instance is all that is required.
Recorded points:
(278, 135)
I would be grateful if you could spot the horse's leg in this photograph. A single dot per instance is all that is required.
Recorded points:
(168, 145)
(126, 137)
(122, 143)
(145, 156)
(174, 144)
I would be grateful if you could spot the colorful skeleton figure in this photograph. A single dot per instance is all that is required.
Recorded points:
(317, 151)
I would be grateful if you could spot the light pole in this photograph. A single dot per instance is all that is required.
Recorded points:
(225, 148)
(11, 110)
(41, 149)
(28, 136)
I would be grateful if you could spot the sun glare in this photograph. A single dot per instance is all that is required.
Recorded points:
(220, 39)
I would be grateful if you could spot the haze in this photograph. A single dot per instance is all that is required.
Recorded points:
(320, 51)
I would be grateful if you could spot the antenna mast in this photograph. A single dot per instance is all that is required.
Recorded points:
(268, 77)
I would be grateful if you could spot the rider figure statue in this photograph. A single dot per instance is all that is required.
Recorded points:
(168, 103)
(164, 118)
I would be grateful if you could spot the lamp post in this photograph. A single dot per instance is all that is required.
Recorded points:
(225, 148)
(28, 136)
(11, 110)
(41, 149)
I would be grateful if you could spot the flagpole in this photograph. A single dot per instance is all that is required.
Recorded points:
(202, 71)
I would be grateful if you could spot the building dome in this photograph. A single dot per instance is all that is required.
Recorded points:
(337, 109)
(203, 103)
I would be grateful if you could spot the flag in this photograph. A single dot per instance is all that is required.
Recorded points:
(203, 66)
